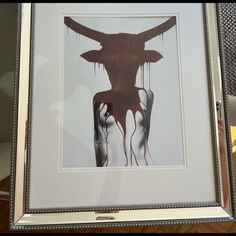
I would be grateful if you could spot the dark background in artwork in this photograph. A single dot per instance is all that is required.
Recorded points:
(8, 22)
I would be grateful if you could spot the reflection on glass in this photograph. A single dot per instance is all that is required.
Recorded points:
(223, 157)
(232, 120)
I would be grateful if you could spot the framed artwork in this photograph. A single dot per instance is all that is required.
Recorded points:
(120, 116)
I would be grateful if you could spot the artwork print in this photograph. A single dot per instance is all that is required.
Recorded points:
(119, 109)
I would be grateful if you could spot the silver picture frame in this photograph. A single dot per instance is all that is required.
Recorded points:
(27, 215)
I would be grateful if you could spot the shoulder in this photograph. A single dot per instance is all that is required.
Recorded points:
(146, 92)
(101, 95)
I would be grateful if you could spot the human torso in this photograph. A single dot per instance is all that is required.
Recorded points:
(122, 122)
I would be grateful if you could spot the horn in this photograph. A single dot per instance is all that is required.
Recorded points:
(149, 34)
(78, 28)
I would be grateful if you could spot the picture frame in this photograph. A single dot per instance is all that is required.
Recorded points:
(67, 167)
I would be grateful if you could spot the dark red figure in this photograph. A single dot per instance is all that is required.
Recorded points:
(121, 55)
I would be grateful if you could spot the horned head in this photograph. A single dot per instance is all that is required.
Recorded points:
(121, 46)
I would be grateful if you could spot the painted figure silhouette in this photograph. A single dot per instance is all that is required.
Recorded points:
(122, 114)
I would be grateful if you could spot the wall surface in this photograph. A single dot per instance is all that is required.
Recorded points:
(8, 37)
(8, 22)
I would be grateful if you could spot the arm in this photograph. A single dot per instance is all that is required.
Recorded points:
(100, 135)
